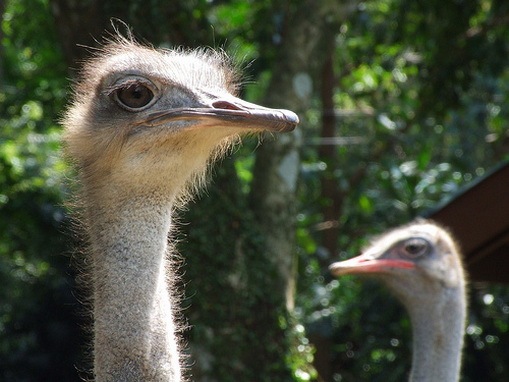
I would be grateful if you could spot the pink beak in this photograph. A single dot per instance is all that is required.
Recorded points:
(367, 264)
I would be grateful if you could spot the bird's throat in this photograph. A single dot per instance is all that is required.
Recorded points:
(438, 328)
(134, 330)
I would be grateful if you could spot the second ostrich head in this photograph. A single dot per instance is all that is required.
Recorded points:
(416, 262)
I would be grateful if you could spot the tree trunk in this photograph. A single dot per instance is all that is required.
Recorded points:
(275, 180)
(78, 23)
(308, 38)
(331, 196)
(2, 9)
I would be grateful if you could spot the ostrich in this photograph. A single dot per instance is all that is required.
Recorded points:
(142, 127)
(421, 265)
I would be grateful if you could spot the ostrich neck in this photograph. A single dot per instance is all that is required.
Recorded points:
(438, 327)
(134, 330)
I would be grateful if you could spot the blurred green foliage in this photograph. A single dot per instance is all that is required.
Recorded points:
(422, 89)
(38, 325)
(241, 283)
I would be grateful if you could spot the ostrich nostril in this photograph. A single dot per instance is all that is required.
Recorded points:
(225, 105)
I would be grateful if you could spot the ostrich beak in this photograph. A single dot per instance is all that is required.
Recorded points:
(229, 112)
(366, 263)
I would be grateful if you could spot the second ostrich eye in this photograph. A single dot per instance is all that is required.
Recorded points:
(134, 96)
(415, 247)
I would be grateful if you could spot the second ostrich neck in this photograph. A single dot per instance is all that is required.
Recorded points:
(438, 327)
(134, 317)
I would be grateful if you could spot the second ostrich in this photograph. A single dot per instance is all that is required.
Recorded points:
(142, 128)
(421, 265)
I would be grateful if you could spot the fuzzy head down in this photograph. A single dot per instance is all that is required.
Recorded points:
(107, 139)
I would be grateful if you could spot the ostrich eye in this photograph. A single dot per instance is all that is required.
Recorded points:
(416, 247)
(134, 96)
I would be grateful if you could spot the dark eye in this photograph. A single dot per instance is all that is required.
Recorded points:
(416, 247)
(134, 96)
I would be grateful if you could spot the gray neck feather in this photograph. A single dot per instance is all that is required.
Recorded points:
(134, 329)
(438, 328)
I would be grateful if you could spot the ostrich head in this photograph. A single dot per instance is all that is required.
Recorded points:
(419, 262)
(142, 116)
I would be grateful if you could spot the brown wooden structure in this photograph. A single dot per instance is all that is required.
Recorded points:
(479, 219)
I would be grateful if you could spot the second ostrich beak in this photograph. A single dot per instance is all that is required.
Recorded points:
(367, 263)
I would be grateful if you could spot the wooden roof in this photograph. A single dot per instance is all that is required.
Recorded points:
(479, 219)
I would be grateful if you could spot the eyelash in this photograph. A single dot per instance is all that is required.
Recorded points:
(126, 84)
